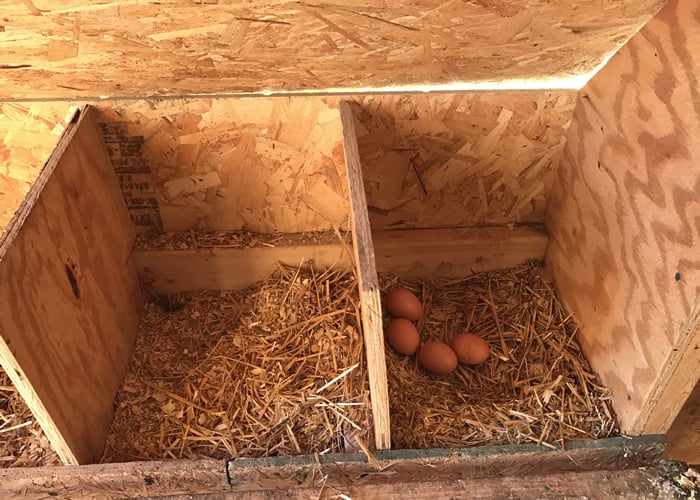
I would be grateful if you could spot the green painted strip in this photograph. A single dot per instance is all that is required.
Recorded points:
(622, 443)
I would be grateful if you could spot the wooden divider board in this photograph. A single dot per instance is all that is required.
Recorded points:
(93, 49)
(69, 294)
(371, 307)
(623, 219)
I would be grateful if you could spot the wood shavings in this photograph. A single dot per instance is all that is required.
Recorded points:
(536, 387)
(275, 369)
(189, 240)
(22, 442)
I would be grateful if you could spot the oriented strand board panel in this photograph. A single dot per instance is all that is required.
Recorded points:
(69, 294)
(450, 160)
(623, 218)
(134, 48)
(256, 164)
(28, 134)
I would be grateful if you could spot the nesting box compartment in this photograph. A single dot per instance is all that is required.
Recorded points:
(190, 206)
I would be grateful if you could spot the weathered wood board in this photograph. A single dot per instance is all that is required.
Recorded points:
(488, 469)
(623, 219)
(70, 297)
(468, 159)
(93, 49)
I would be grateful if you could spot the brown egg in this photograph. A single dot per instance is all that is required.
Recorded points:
(402, 303)
(403, 336)
(437, 358)
(470, 349)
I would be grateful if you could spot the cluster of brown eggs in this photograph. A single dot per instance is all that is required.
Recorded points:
(435, 357)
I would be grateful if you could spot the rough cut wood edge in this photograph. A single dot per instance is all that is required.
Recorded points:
(622, 219)
(409, 468)
(171, 271)
(454, 253)
(78, 49)
(371, 307)
(630, 484)
(69, 296)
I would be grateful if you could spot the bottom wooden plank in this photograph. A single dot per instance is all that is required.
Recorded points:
(107, 481)
(632, 483)
(444, 464)
(414, 472)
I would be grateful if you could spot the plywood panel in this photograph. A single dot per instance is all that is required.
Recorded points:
(256, 164)
(135, 48)
(69, 295)
(460, 160)
(624, 219)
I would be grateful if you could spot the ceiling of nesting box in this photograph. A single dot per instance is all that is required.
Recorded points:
(92, 49)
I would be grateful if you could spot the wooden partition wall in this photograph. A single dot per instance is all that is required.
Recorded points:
(624, 220)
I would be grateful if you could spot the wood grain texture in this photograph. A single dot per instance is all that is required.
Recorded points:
(172, 271)
(257, 164)
(455, 253)
(684, 434)
(91, 49)
(624, 218)
(462, 159)
(368, 282)
(69, 295)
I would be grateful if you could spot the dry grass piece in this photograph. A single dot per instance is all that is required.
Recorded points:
(22, 442)
(193, 240)
(536, 387)
(275, 369)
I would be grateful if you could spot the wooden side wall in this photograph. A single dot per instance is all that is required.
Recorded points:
(624, 220)
(69, 294)
(88, 49)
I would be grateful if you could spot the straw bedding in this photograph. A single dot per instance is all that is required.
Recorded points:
(536, 387)
(22, 442)
(275, 369)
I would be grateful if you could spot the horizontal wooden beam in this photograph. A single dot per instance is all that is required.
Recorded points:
(436, 253)
(454, 253)
(403, 471)
(627, 484)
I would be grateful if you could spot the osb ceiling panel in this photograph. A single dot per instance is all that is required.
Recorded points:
(81, 49)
